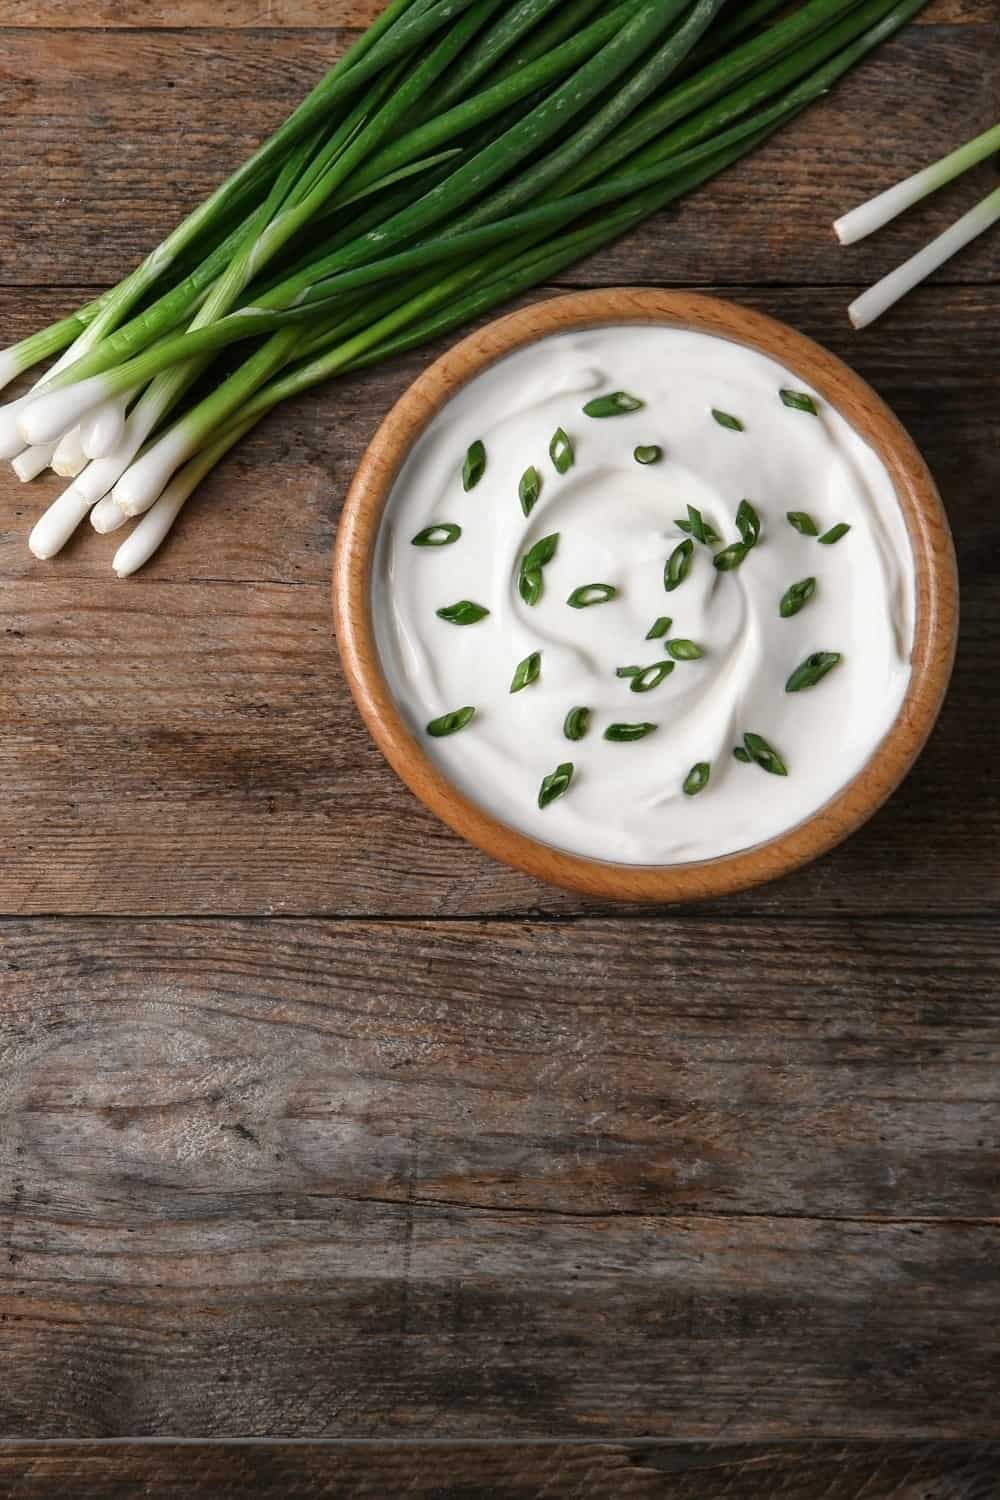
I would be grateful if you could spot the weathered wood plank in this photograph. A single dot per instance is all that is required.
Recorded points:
(219, 765)
(461, 1180)
(85, 110)
(555, 1471)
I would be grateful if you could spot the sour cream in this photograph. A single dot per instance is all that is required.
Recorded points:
(616, 523)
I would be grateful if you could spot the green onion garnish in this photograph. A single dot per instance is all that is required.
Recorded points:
(764, 754)
(748, 524)
(591, 593)
(648, 453)
(659, 628)
(465, 612)
(726, 419)
(799, 401)
(696, 779)
(474, 467)
(834, 534)
(450, 723)
(530, 584)
(712, 537)
(796, 597)
(576, 723)
(627, 671)
(527, 671)
(619, 404)
(561, 451)
(682, 650)
(812, 670)
(624, 734)
(696, 525)
(743, 756)
(678, 565)
(529, 489)
(730, 557)
(803, 522)
(441, 535)
(648, 678)
(555, 784)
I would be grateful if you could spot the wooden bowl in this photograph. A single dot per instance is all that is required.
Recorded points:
(936, 620)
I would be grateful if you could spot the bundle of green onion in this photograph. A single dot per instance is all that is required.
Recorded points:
(461, 152)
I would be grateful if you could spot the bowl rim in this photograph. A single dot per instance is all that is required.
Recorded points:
(935, 623)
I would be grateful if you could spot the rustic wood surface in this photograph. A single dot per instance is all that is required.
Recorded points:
(316, 1124)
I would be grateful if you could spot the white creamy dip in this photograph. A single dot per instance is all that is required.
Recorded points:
(615, 520)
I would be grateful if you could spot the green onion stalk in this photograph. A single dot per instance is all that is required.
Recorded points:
(462, 152)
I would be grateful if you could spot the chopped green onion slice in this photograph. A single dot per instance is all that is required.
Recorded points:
(450, 723)
(576, 723)
(648, 678)
(465, 612)
(812, 670)
(696, 779)
(530, 585)
(712, 537)
(799, 401)
(678, 565)
(764, 754)
(659, 628)
(542, 552)
(696, 525)
(726, 419)
(561, 451)
(527, 671)
(682, 650)
(834, 534)
(619, 404)
(796, 597)
(474, 467)
(529, 489)
(648, 453)
(624, 734)
(627, 671)
(591, 593)
(555, 784)
(731, 557)
(748, 524)
(743, 756)
(441, 535)
(802, 522)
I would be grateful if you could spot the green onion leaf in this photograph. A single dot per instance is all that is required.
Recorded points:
(678, 565)
(648, 678)
(530, 585)
(591, 593)
(812, 670)
(624, 734)
(731, 557)
(561, 451)
(527, 671)
(796, 597)
(648, 453)
(465, 612)
(441, 535)
(696, 525)
(682, 650)
(748, 524)
(743, 756)
(725, 419)
(619, 404)
(696, 779)
(576, 723)
(450, 723)
(799, 401)
(555, 784)
(712, 537)
(529, 489)
(542, 552)
(659, 628)
(802, 522)
(474, 467)
(834, 534)
(764, 754)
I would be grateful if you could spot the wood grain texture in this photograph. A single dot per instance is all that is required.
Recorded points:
(85, 110)
(553, 1471)
(219, 766)
(333, 1179)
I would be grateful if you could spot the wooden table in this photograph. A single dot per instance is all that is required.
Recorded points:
(318, 1125)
